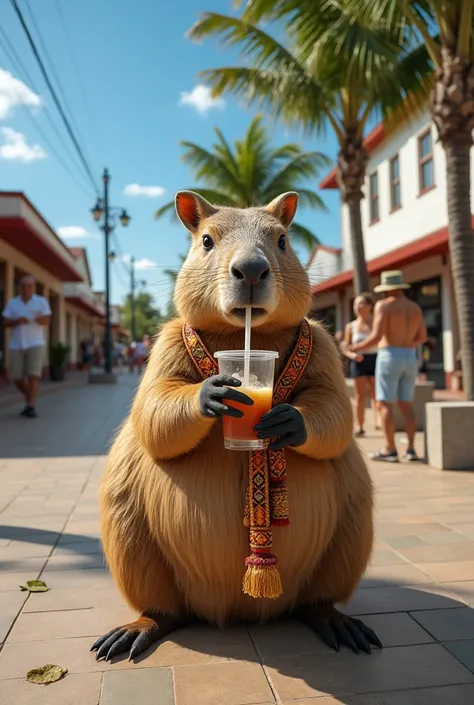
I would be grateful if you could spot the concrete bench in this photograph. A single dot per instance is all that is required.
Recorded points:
(423, 395)
(449, 435)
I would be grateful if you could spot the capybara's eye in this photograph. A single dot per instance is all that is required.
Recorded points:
(207, 242)
(282, 242)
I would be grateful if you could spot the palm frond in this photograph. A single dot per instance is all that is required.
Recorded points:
(303, 236)
(208, 165)
(305, 165)
(310, 199)
(165, 209)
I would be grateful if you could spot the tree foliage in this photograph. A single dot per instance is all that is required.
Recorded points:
(253, 172)
(147, 317)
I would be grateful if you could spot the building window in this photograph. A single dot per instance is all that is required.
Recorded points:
(374, 197)
(395, 190)
(425, 161)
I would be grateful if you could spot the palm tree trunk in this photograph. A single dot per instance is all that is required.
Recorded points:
(452, 109)
(361, 275)
(461, 243)
(351, 166)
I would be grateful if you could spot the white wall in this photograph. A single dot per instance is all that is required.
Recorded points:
(419, 215)
(324, 266)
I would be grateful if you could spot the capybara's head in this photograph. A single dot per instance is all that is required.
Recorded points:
(240, 257)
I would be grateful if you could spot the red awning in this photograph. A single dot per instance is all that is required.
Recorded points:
(436, 243)
(24, 238)
(85, 305)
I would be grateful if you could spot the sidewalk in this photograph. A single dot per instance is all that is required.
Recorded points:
(416, 594)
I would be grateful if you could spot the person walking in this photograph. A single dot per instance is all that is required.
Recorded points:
(27, 315)
(141, 352)
(398, 330)
(362, 366)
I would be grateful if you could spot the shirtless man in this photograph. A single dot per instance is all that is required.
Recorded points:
(398, 329)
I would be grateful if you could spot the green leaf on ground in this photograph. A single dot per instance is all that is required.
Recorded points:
(35, 586)
(46, 674)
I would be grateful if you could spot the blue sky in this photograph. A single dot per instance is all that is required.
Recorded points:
(124, 67)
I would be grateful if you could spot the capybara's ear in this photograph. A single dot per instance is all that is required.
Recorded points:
(284, 207)
(192, 209)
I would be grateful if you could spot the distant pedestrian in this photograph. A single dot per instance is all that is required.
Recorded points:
(141, 351)
(27, 315)
(131, 356)
(398, 329)
(362, 365)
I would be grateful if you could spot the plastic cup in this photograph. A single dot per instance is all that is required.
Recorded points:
(239, 433)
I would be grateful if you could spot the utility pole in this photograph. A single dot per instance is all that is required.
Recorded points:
(103, 210)
(132, 296)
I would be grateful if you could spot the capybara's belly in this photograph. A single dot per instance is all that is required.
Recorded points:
(196, 515)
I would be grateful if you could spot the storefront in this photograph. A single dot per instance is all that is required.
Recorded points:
(428, 295)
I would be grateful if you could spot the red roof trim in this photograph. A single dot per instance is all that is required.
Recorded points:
(23, 237)
(427, 246)
(82, 252)
(372, 141)
(21, 195)
(85, 305)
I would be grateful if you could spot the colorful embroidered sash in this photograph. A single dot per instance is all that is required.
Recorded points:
(267, 500)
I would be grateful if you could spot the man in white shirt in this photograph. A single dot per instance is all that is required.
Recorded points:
(27, 315)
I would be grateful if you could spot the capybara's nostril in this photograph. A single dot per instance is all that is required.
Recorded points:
(250, 270)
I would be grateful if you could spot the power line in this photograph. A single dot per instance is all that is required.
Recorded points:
(54, 95)
(56, 78)
(74, 62)
(11, 54)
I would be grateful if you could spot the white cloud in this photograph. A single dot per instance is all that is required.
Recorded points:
(17, 148)
(201, 99)
(143, 263)
(73, 232)
(148, 191)
(14, 92)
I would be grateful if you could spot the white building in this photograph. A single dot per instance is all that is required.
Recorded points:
(404, 219)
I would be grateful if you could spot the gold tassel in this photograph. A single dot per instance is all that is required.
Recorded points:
(262, 578)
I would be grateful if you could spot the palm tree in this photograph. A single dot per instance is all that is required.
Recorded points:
(253, 173)
(329, 70)
(446, 30)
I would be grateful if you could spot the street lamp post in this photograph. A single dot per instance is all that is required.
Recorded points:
(109, 214)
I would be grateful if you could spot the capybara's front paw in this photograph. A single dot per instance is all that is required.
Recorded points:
(135, 637)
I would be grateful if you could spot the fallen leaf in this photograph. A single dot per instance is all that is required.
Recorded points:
(46, 674)
(35, 586)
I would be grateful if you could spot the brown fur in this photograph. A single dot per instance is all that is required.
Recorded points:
(173, 497)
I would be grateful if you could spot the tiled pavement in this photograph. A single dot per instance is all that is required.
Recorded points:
(416, 595)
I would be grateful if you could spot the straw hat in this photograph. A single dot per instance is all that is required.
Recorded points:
(390, 281)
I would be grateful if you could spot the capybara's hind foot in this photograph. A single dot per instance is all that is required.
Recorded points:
(136, 636)
(335, 628)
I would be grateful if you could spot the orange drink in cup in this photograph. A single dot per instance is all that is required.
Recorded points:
(238, 432)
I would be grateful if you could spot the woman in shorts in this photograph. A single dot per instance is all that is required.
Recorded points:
(362, 366)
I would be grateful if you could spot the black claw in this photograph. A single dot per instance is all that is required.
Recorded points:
(102, 639)
(344, 636)
(324, 629)
(142, 642)
(103, 650)
(368, 633)
(121, 645)
(358, 637)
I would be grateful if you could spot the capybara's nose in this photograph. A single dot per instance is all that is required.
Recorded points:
(250, 270)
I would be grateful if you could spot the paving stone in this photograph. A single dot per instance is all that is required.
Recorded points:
(346, 673)
(76, 578)
(463, 589)
(73, 689)
(399, 575)
(400, 599)
(222, 684)
(80, 598)
(147, 686)
(396, 629)
(10, 605)
(449, 571)
(463, 651)
(447, 625)
(285, 638)
(69, 623)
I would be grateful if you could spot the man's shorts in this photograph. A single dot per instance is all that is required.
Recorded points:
(26, 363)
(396, 370)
